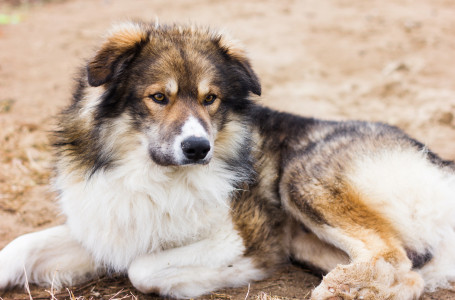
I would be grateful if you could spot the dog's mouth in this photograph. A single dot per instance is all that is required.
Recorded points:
(169, 162)
(198, 162)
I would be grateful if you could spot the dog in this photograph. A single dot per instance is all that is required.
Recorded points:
(169, 172)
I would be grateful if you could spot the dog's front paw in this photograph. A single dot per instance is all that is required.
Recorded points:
(11, 270)
(146, 272)
(369, 281)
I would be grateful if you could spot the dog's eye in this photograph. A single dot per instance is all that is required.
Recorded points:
(209, 99)
(159, 98)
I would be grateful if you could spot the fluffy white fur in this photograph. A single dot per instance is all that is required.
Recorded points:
(144, 207)
(197, 268)
(47, 257)
(191, 280)
(419, 198)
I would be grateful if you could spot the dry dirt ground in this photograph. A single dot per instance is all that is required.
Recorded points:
(341, 59)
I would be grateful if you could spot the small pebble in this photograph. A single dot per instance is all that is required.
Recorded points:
(445, 118)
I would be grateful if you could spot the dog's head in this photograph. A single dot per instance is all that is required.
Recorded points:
(178, 84)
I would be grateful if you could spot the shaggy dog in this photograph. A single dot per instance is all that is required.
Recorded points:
(168, 172)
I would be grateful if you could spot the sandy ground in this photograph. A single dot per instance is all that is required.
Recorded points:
(391, 61)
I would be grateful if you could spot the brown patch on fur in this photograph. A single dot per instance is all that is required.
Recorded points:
(172, 115)
(337, 204)
(351, 214)
(259, 218)
(260, 225)
(126, 35)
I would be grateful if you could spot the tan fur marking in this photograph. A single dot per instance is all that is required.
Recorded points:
(176, 112)
(89, 103)
(172, 88)
(231, 137)
(127, 34)
(204, 87)
(350, 213)
(234, 47)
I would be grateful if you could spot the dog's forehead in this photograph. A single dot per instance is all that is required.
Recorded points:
(185, 63)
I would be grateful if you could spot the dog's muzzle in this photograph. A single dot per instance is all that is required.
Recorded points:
(195, 148)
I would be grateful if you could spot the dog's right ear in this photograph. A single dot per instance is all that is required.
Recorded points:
(121, 44)
(237, 53)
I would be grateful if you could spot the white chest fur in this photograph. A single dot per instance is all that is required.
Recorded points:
(138, 207)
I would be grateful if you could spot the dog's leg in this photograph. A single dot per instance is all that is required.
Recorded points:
(379, 267)
(48, 257)
(313, 253)
(195, 269)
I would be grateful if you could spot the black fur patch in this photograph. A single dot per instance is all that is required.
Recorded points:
(419, 259)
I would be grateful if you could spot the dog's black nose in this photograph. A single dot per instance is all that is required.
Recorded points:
(195, 148)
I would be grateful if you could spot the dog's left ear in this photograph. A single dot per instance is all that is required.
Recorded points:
(122, 43)
(236, 52)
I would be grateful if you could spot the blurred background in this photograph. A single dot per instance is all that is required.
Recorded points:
(376, 60)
